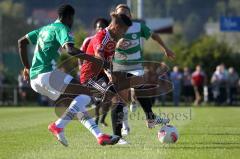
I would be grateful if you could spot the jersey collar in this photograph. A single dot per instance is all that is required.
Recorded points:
(57, 21)
(108, 33)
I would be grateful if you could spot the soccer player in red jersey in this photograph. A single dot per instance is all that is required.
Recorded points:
(99, 24)
(103, 46)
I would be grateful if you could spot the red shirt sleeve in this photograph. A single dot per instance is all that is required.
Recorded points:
(98, 44)
(85, 44)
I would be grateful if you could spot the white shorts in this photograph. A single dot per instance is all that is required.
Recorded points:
(137, 72)
(41, 84)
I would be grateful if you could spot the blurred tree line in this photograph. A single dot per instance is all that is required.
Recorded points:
(189, 43)
(191, 15)
(13, 24)
(206, 51)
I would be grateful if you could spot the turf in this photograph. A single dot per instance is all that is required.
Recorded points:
(208, 132)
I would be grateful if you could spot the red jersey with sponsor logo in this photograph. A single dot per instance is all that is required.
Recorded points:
(103, 44)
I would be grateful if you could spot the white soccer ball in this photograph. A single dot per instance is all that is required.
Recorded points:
(168, 134)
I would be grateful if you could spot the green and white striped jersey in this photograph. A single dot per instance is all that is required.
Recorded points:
(128, 54)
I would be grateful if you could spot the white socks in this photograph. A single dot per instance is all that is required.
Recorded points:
(125, 118)
(78, 107)
(90, 124)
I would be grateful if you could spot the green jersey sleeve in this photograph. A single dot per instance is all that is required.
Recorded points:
(33, 36)
(145, 31)
(64, 36)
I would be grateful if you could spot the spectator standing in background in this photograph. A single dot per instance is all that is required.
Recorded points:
(215, 81)
(198, 81)
(162, 97)
(224, 87)
(22, 87)
(176, 78)
(187, 85)
(219, 81)
(233, 79)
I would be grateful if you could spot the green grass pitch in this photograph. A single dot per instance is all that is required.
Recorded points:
(207, 132)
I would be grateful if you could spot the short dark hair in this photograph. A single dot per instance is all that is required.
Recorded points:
(101, 20)
(121, 19)
(65, 10)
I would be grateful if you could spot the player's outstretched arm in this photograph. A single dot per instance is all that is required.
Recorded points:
(71, 50)
(69, 47)
(22, 47)
(166, 51)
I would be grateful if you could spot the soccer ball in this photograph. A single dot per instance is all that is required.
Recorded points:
(168, 134)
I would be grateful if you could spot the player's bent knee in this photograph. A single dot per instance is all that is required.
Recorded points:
(83, 99)
(79, 103)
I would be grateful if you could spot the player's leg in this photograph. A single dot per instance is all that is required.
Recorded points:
(83, 116)
(77, 105)
(117, 117)
(76, 108)
(102, 121)
(41, 85)
(105, 108)
(101, 84)
(125, 125)
(146, 104)
(133, 104)
(97, 112)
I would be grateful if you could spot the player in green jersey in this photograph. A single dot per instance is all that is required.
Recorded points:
(127, 58)
(51, 82)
